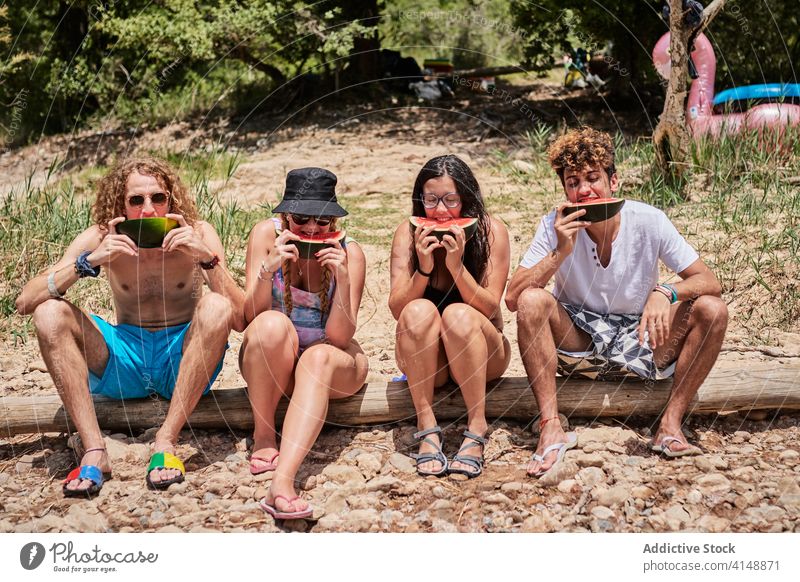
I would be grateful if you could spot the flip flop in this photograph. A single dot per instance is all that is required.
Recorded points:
(278, 514)
(562, 449)
(271, 464)
(471, 460)
(91, 472)
(663, 448)
(437, 455)
(164, 461)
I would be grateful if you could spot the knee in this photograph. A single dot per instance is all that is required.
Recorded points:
(419, 319)
(315, 362)
(534, 306)
(710, 312)
(460, 320)
(51, 319)
(214, 311)
(270, 329)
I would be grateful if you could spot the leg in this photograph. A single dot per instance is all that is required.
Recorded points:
(267, 360)
(543, 324)
(71, 345)
(203, 348)
(421, 356)
(323, 372)
(476, 351)
(696, 333)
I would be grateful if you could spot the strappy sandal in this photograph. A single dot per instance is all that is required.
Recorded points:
(91, 473)
(471, 460)
(438, 455)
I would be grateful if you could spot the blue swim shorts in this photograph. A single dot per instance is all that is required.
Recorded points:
(141, 362)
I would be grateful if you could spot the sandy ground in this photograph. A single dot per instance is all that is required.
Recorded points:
(361, 479)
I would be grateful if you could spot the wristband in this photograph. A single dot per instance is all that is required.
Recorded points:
(264, 269)
(423, 273)
(83, 268)
(210, 264)
(51, 286)
(663, 292)
(672, 291)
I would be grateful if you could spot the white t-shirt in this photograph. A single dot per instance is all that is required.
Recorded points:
(645, 236)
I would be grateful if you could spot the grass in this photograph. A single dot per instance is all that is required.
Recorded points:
(742, 214)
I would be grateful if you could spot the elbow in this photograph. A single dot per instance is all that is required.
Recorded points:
(23, 306)
(511, 299)
(395, 307)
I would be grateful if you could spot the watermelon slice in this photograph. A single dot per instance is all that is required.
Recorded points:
(597, 209)
(308, 245)
(147, 233)
(442, 227)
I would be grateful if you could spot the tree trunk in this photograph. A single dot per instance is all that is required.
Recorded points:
(758, 386)
(671, 138)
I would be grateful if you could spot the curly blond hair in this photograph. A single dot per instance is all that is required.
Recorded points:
(286, 268)
(582, 147)
(110, 201)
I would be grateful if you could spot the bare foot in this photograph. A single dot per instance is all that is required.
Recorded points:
(97, 457)
(427, 448)
(159, 475)
(472, 448)
(283, 499)
(264, 458)
(550, 435)
(672, 445)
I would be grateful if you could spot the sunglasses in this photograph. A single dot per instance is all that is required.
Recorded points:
(157, 199)
(301, 219)
(432, 200)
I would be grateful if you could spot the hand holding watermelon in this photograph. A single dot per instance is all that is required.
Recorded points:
(282, 250)
(424, 244)
(567, 227)
(454, 245)
(113, 245)
(334, 257)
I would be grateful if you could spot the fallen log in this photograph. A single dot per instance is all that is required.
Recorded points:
(765, 386)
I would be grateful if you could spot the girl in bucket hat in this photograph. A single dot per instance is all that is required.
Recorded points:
(301, 309)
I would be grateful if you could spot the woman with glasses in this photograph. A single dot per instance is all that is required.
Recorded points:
(301, 316)
(445, 295)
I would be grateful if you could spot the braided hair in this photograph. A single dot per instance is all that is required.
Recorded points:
(286, 267)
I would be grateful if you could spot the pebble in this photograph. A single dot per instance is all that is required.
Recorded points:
(342, 474)
(496, 499)
(713, 484)
(591, 476)
(713, 524)
(511, 487)
(369, 464)
(642, 492)
(402, 463)
(588, 460)
(613, 496)
(602, 512)
(569, 486)
(442, 509)
(558, 473)
(619, 436)
(789, 456)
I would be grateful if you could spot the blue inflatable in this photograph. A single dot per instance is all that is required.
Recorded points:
(767, 92)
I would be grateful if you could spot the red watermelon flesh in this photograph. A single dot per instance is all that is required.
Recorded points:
(442, 227)
(310, 244)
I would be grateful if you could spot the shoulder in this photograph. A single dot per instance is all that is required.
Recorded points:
(264, 229)
(498, 229)
(402, 234)
(643, 211)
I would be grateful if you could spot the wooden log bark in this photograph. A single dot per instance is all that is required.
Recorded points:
(758, 387)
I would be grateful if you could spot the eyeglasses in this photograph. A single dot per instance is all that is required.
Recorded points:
(301, 219)
(156, 199)
(432, 200)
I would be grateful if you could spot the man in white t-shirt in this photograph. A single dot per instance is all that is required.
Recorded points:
(608, 316)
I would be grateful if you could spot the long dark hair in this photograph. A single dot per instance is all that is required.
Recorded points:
(476, 253)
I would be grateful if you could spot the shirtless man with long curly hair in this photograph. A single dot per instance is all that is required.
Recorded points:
(170, 336)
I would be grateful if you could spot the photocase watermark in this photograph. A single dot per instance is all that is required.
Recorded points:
(474, 18)
(67, 558)
(18, 106)
(502, 94)
(31, 555)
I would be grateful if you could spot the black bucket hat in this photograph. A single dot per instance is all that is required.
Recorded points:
(310, 191)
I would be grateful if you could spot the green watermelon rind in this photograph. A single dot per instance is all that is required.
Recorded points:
(597, 210)
(307, 248)
(439, 232)
(147, 233)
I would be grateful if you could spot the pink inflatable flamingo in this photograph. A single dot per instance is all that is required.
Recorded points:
(699, 107)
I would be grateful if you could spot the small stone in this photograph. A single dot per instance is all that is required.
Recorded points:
(245, 492)
(440, 492)
(764, 514)
(704, 464)
(606, 435)
(642, 492)
(37, 366)
(742, 434)
(369, 464)
(558, 473)
(402, 463)
(602, 512)
(511, 487)
(534, 524)
(713, 484)
(569, 486)
(523, 166)
(694, 497)
(84, 517)
(343, 474)
(588, 460)
(717, 462)
(613, 496)
(442, 509)
(789, 457)
(676, 517)
(336, 503)
(713, 524)
(496, 499)
(789, 494)
(385, 483)
(360, 519)
(591, 476)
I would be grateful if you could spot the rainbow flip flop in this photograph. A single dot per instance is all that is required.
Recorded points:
(164, 461)
(90, 472)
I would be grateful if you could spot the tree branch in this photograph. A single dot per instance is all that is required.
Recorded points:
(710, 13)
